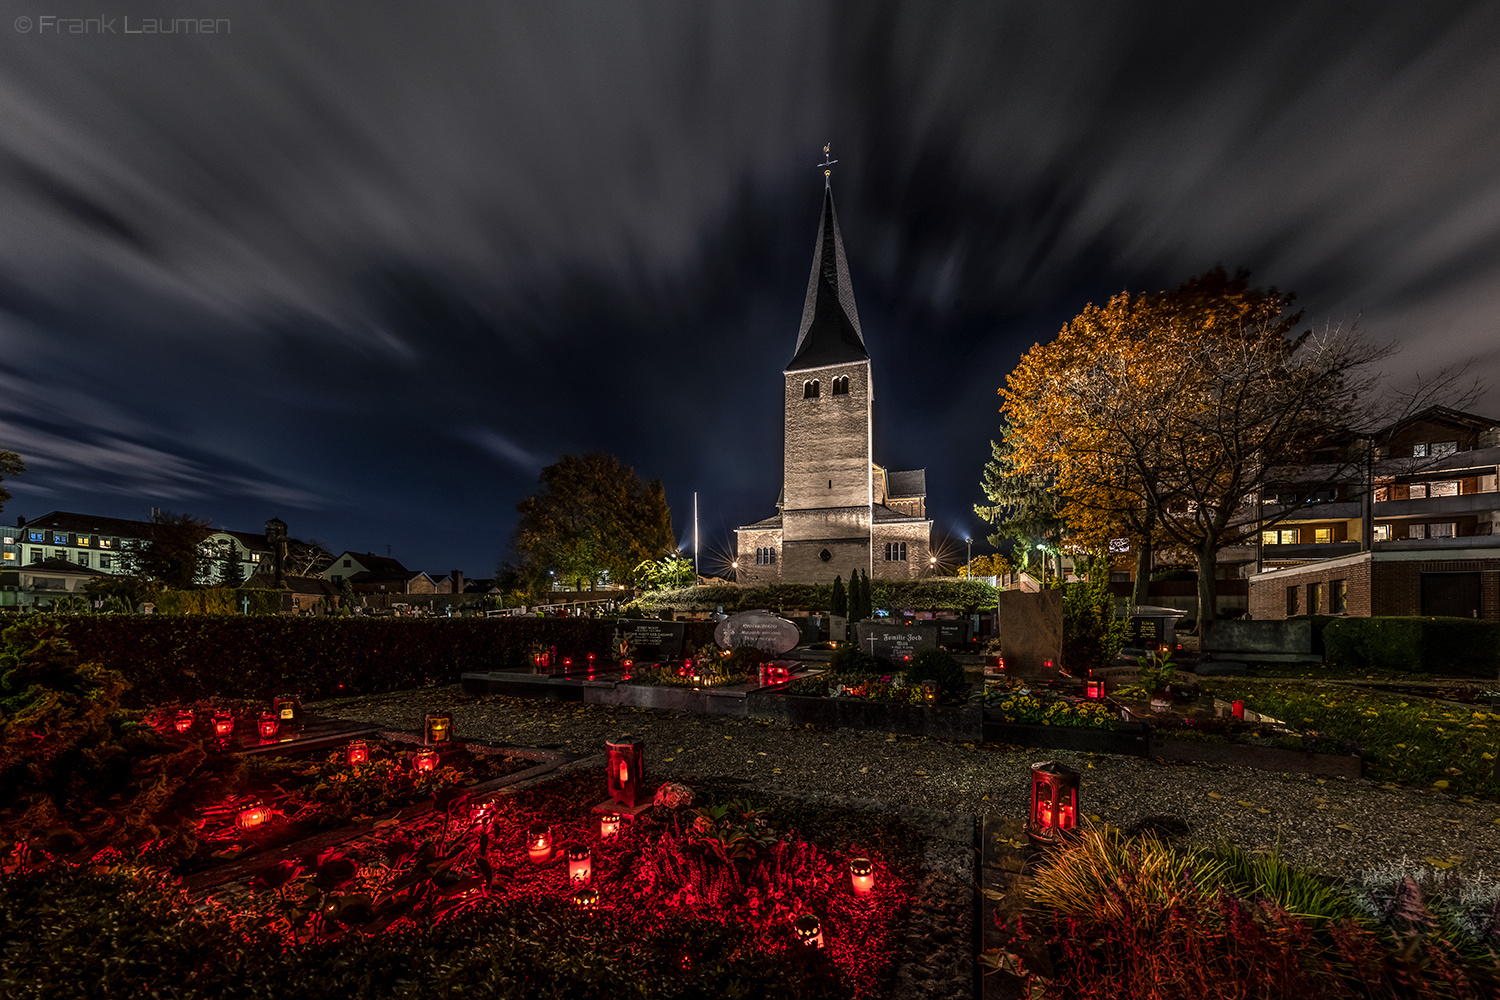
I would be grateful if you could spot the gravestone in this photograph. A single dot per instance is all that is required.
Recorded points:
(1149, 631)
(838, 628)
(654, 640)
(1031, 630)
(897, 645)
(953, 634)
(761, 629)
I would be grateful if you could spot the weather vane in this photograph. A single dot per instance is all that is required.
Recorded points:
(826, 164)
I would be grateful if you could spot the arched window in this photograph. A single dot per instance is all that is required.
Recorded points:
(765, 557)
(810, 389)
(895, 552)
(841, 385)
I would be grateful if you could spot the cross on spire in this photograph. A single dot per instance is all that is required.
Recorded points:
(826, 164)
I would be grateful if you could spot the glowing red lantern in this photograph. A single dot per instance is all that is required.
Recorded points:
(586, 899)
(1093, 689)
(252, 816)
(439, 728)
(1054, 803)
(539, 845)
(286, 707)
(223, 725)
(809, 930)
(591, 659)
(1047, 664)
(580, 865)
(1238, 708)
(184, 721)
(425, 760)
(861, 876)
(625, 770)
(609, 824)
(269, 724)
(567, 664)
(359, 752)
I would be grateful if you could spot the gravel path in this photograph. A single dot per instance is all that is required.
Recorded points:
(1339, 827)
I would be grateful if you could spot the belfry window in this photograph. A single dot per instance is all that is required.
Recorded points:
(810, 389)
(841, 385)
(895, 552)
(765, 557)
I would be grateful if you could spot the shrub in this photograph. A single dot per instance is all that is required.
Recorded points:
(1092, 635)
(76, 771)
(937, 665)
(1462, 646)
(851, 661)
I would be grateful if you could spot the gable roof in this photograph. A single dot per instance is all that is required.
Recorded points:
(900, 485)
(379, 566)
(1444, 414)
(830, 333)
(89, 524)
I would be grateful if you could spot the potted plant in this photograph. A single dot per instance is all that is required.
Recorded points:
(1156, 672)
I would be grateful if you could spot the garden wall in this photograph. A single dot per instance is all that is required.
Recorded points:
(191, 657)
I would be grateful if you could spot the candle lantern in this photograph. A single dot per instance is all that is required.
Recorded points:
(252, 816)
(184, 721)
(809, 930)
(580, 865)
(586, 899)
(425, 760)
(625, 770)
(1054, 803)
(861, 876)
(591, 661)
(287, 707)
(567, 664)
(1093, 689)
(609, 824)
(359, 752)
(223, 725)
(539, 845)
(1238, 708)
(439, 728)
(930, 692)
(269, 724)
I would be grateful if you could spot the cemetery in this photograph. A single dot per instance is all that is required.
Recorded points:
(687, 809)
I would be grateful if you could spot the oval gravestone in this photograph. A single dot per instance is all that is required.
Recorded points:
(760, 629)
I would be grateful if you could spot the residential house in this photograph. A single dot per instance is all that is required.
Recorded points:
(372, 574)
(38, 584)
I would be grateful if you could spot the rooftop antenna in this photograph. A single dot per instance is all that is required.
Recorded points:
(826, 165)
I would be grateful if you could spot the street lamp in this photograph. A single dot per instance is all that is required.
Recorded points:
(969, 558)
(736, 565)
(931, 565)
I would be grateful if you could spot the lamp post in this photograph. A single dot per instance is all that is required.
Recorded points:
(969, 559)
(931, 565)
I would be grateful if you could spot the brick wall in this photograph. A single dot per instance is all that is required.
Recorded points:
(1268, 591)
(916, 537)
(751, 573)
(827, 440)
(1378, 587)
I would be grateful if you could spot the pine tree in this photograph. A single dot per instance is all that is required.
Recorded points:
(839, 603)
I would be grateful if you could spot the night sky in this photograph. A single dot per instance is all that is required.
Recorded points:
(369, 266)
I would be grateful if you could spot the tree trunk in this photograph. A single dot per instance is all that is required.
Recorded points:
(1141, 593)
(1207, 611)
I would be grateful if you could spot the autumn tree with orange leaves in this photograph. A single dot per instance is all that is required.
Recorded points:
(1160, 418)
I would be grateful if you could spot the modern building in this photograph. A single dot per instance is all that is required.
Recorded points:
(838, 510)
(1431, 504)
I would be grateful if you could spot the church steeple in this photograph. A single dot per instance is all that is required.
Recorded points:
(830, 333)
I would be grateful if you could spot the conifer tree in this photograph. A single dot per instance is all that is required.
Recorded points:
(839, 603)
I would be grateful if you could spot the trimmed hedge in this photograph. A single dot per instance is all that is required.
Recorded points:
(932, 594)
(1454, 646)
(171, 658)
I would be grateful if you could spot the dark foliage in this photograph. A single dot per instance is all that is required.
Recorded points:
(937, 665)
(1461, 646)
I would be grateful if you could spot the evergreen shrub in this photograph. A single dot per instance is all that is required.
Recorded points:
(1456, 646)
(936, 665)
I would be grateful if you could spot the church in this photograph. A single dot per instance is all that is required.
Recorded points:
(838, 510)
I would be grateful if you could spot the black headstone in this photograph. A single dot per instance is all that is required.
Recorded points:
(897, 645)
(654, 640)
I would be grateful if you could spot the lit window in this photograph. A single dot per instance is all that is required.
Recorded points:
(1338, 597)
(1441, 530)
(83, 541)
(1289, 536)
(9, 540)
(1268, 538)
(255, 557)
(1441, 448)
(1382, 532)
(106, 543)
(36, 536)
(59, 538)
(1382, 494)
(1416, 491)
(1447, 488)
(10, 557)
(1419, 451)
(1322, 536)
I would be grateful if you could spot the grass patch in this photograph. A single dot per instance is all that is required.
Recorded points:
(1404, 738)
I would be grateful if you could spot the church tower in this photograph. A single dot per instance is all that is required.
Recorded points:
(838, 511)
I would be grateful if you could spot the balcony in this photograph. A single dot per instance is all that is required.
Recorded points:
(1307, 552)
(1463, 503)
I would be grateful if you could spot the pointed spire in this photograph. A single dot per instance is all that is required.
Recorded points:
(830, 332)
